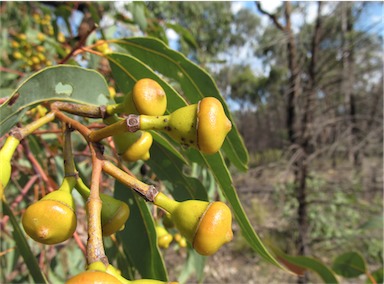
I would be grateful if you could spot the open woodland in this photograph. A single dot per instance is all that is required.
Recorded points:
(303, 84)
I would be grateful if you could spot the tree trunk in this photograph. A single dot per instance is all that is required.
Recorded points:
(348, 80)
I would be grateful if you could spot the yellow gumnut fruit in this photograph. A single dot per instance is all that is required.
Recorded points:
(17, 55)
(60, 37)
(203, 125)
(40, 36)
(214, 229)
(206, 225)
(114, 214)
(15, 44)
(102, 46)
(93, 277)
(22, 37)
(180, 240)
(6, 154)
(149, 97)
(131, 146)
(163, 237)
(52, 219)
(139, 149)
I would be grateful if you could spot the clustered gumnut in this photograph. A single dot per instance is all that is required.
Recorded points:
(52, 219)
(30, 50)
(206, 225)
(203, 125)
(163, 237)
(182, 241)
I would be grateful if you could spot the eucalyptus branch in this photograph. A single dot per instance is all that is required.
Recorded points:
(73, 123)
(149, 192)
(95, 247)
(81, 109)
(21, 132)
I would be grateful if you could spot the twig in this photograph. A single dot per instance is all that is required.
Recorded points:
(95, 247)
(79, 44)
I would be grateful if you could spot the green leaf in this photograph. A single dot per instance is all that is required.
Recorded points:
(57, 83)
(184, 33)
(169, 167)
(194, 81)
(349, 265)
(194, 264)
(298, 264)
(23, 247)
(373, 223)
(139, 236)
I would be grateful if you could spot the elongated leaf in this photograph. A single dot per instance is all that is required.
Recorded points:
(349, 265)
(193, 265)
(299, 264)
(62, 82)
(194, 81)
(23, 247)
(169, 167)
(373, 223)
(139, 236)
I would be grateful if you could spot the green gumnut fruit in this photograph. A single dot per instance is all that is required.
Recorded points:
(206, 225)
(131, 146)
(114, 214)
(203, 125)
(52, 219)
(163, 237)
(6, 154)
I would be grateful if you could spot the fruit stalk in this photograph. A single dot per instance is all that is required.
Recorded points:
(69, 163)
(147, 191)
(90, 111)
(110, 130)
(95, 247)
(21, 133)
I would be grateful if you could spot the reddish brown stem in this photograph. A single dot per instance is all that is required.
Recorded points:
(79, 44)
(95, 247)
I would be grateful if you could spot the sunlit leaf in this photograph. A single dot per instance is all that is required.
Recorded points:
(61, 82)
